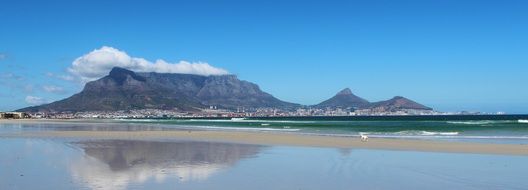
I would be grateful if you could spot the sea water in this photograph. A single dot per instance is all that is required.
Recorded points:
(476, 128)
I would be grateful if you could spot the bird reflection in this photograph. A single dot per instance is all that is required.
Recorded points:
(114, 164)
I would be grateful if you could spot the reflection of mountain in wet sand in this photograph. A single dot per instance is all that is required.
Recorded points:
(113, 164)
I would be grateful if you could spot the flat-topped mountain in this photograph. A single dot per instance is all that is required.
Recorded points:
(344, 99)
(123, 89)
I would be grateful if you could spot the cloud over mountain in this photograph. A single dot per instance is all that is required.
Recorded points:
(99, 62)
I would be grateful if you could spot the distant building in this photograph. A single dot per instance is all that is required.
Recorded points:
(13, 115)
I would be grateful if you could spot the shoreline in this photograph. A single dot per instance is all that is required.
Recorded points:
(271, 138)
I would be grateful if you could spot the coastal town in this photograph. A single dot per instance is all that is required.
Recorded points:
(14, 115)
(223, 113)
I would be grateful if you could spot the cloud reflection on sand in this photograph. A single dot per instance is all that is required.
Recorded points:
(115, 164)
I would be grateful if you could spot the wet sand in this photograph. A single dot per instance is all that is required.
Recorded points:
(110, 155)
(291, 139)
(271, 138)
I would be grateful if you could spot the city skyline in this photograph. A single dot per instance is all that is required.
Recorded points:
(433, 52)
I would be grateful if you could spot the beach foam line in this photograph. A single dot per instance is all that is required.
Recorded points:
(412, 133)
(425, 133)
(438, 133)
(246, 121)
(294, 139)
(450, 137)
(481, 122)
(141, 120)
(522, 120)
(236, 128)
(212, 120)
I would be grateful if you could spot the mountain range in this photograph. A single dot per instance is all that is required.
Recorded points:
(124, 89)
(346, 99)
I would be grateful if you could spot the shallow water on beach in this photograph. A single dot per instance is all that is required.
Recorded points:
(488, 129)
(32, 163)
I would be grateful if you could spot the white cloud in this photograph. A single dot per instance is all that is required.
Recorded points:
(35, 101)
(53, 89)
(99, 62)
(3, 56)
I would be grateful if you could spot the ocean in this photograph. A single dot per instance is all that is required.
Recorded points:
(478, 128)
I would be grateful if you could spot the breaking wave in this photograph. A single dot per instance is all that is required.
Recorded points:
(480, 122)
(248, 121)
(413, 133)
(242, 128)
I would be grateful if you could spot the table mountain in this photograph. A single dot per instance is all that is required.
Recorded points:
(123, 89)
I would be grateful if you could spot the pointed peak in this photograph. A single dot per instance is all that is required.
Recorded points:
(345, 91)
(398, 97)
(344, 99)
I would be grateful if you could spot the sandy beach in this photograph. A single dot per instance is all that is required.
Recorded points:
(271, 138)
(110, 154)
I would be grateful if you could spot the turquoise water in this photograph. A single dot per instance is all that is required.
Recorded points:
(509, 129)
(488, 128)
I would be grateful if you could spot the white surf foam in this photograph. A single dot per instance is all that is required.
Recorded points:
(412, 133)
(241, 128)
(139, 120)
(479, 122)
(522, 120)
(248, 121)
(438, 133)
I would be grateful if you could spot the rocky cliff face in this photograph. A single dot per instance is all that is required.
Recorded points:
(126, 90)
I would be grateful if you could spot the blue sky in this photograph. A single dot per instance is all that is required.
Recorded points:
(450, 55)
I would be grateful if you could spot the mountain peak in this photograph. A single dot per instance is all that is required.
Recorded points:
(398, 97)
(345, 91)
(344, 98)
(120, 75)
(398, 102)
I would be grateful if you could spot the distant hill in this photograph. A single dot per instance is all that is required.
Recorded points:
(344, 99)
(397, 103)
(123, 89)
